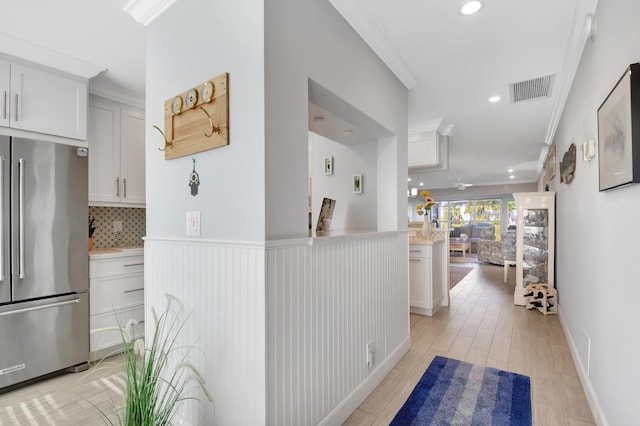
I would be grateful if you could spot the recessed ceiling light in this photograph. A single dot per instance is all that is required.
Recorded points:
(347, 132)
(510, 170)
(469, 7)
(494, 99)
(421, 183)
(512, 177)
(408, 179)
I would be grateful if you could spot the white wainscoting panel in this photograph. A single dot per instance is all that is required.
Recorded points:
(282, 331)
(326, 299)
(223, 286)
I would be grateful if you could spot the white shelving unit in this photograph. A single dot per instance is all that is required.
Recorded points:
(535, 242)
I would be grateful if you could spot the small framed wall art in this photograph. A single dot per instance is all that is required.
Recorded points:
(550, 165)
(328, 165)
(357, 184)
(619, 133)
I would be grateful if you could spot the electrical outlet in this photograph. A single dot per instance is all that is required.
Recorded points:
(371, 355)
(117, 226)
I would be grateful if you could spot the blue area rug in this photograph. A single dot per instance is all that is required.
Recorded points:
(453, 392)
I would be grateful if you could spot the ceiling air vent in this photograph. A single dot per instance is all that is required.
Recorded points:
(528, 90)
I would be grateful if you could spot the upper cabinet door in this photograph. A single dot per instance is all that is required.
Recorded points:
(104, 152)
(48, 103)
(5, 76)
(132, 156)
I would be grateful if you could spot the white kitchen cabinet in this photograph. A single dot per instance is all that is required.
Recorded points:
(43, 101)
(116, 289)
(426, 278)
(5, 89)
(116, 154)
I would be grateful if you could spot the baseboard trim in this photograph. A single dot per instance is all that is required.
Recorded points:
(342, 411)
(587, 387)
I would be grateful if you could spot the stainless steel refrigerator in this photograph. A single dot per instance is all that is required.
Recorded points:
(44, 266)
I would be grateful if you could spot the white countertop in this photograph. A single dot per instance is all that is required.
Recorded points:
(423, 242)
(116, 252)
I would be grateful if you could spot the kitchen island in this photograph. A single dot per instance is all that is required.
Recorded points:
(428, 275)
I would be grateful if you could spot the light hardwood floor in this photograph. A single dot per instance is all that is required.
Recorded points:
(483, 327)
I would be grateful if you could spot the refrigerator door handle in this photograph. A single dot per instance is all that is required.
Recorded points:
(37, 308)
(1, 218)
(21, 218)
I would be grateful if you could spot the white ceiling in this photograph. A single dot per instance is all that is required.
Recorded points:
(451, 63)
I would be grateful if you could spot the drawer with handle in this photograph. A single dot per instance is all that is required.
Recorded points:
(417, 250)
(107, 294)
(116, 266)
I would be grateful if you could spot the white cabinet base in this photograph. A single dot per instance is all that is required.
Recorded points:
(427, 277)
(116, 291)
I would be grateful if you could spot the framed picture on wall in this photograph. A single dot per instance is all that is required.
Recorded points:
(619, 132)
(357, 184)
(328, 165)
(550, 165)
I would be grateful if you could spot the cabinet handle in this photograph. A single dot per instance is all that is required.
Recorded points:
(21, 167)
(140, 322)
(16, 107)
(134, 264)
(118, 187)
(124, 184)
(2, 217)
(134, 290)
(415, 251)
(415, 260)
(4, 106)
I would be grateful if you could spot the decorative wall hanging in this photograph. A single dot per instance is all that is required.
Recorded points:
(194, 179)
(568, 164)
(619, 132)
(357, 184)
(550, 165)
(328, 165)
(197, 120)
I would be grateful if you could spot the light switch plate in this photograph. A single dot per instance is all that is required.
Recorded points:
(193, 224)
(117, 226)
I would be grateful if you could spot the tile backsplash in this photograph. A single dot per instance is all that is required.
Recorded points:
(133, 226)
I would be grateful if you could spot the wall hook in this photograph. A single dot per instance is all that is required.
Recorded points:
(214, 129)
(167, 143)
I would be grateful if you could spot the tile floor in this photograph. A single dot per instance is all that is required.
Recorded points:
(482, 326)
(69, 400)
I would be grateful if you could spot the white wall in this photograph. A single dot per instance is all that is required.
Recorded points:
(217, 276)
(194, 41)
(309, 39)
(352, 211)
(597, 251)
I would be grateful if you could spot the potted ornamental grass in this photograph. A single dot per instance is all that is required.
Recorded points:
(157, 376)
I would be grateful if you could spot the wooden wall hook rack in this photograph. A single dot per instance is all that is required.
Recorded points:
(184, 124)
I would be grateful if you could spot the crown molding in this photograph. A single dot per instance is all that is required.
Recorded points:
(145, 11)
(31, 52)
(135, 100)
(582, 30)
(362, 25)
